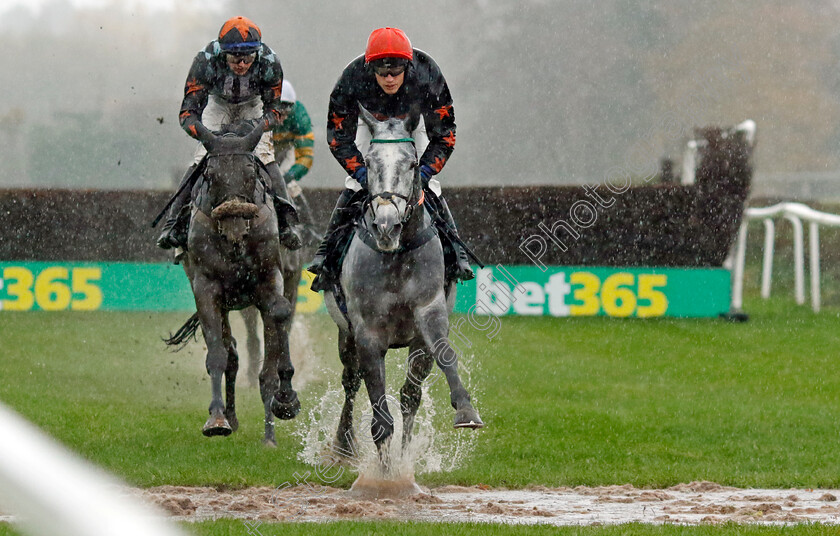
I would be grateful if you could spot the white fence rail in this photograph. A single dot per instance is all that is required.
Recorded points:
(51, 492)
(795, 213)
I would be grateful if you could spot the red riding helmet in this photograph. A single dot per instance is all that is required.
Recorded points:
(240, 35)
(388, 43)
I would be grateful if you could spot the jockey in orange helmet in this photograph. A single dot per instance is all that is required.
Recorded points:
(234, 77)
(391, 79)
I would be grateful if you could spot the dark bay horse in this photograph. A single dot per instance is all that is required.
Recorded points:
(396, 294)
(292, 268)
(233, 261)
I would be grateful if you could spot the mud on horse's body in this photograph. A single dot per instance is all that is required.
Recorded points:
(233, 260)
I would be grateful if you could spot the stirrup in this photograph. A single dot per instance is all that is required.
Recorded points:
(170, 237)
(317, 265)
(320, 258)
(461, 269)
(464, 273)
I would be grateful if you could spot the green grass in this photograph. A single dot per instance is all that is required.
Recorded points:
(387, 528)
(105, 385)
(595, 401)
(567, 402)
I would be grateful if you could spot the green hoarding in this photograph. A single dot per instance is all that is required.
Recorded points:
(511, 290)
(597, 291)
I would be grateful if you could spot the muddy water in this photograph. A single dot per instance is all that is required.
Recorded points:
(694, 503)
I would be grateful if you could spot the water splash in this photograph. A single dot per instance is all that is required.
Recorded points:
(434, 447)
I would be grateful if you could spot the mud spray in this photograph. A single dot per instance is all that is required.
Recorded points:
(435, 446)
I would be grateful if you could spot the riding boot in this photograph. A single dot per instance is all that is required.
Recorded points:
(287, 216)
(174, 232)
(340, 217)
(461, 269)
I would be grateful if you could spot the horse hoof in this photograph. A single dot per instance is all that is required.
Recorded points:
(217, 426)
(468, 418)
(286, 409)
(269, 443)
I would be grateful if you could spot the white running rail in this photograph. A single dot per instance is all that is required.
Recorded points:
(51, 492)
(794, 213)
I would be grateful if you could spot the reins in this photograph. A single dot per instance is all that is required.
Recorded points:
(398, 140)
(388, 196)
(421, 238)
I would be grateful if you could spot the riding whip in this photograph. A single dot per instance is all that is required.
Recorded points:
(189, 182)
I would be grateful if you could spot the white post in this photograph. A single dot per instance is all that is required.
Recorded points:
(767, 267)
(814, 236)
(798, 258)
(52, 492)
(794, 213)
(738, 273)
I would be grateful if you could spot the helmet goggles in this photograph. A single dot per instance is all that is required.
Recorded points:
(389, 66)
(240, 57)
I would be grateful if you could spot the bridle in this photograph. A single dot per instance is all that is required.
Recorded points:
(388, 196)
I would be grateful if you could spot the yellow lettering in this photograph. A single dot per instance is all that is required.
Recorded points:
(92, 294)
(647, 291)
(586, 293)
(616, 299)
(52, 295)
(20, 290)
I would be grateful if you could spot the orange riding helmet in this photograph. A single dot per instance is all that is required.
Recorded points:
(388, 43)
(240, 36)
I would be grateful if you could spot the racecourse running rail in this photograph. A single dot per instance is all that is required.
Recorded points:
(794, 213)
(50, 491)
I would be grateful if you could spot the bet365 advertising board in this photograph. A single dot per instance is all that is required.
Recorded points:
(501, 290)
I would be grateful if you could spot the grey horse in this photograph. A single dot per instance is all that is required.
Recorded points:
(395, 293)
(233, 261)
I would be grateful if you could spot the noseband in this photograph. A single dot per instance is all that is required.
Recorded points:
(389, 196)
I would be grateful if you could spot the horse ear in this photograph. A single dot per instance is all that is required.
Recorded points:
(368, 118)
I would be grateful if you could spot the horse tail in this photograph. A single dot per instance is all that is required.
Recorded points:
(184, 334)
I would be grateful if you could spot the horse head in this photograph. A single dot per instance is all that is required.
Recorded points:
(393, 181)
(231, 175)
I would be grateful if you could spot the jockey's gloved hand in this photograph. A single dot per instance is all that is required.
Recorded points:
(426, 175)
(271, 119)
(361, 176)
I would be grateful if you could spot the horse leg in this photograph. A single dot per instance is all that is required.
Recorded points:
(207, 295)
(344, 445)
(433, 324)
(230, 375)
(290, 290)
(249, 315)
(419, 366)
(268, 386)
(276, 376)
(371, 351)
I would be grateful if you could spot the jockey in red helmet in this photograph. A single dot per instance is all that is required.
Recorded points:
(391, 79)
(234, 77)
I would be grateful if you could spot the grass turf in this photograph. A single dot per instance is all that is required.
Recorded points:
(566, 401)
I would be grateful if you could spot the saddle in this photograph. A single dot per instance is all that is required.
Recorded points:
(199, 200)
(339, 243)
